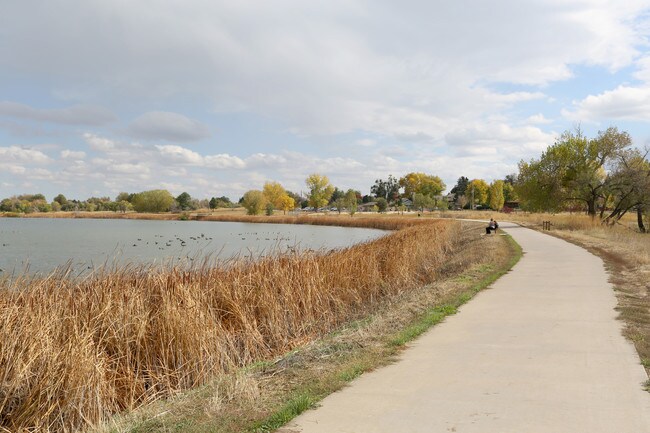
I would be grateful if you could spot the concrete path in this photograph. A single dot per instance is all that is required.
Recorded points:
(540, 351)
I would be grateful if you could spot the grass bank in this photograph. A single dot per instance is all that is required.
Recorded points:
(266, 394)
(75, 352)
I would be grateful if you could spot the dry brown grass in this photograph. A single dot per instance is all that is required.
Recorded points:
(376, 221)
(76, 351)
(237, 401)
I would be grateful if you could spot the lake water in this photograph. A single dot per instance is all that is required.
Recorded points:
(43, 244)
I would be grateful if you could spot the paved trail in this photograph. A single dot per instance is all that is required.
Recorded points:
(540, 351)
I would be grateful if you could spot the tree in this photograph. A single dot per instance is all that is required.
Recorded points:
(184, 201)
(421, 183)
(336, 195)
(509, 193)
(320, 190)
(339, 204)
(273, 193)
(157, 200)
(629, 187)
(254, 202)
(462, 201)
(422, 201)
(297, 199)
(124, 196)
(461, 186)
(60, 199)
(496, 195)
(382, 204)
(477, 192)
(124, 206)
(388, 189)
(287, 203)
(572, 170)
(352, 201)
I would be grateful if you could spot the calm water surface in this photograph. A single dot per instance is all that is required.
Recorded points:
(41, 245)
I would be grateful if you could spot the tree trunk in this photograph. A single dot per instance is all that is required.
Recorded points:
(591, 207)
(639, 219)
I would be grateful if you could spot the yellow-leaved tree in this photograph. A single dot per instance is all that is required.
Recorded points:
(320, 190)
(477, 192)
(273, 193)
(496, 195)
(287, 203)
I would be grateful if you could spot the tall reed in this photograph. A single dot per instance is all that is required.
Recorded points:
(73, 352)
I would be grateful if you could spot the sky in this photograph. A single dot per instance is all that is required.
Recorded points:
(216, 97)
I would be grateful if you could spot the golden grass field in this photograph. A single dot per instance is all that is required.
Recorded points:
(74, 352)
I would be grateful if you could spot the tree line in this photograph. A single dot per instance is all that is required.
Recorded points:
(604, 176)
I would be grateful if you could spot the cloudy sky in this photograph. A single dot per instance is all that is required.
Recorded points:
(216, 97)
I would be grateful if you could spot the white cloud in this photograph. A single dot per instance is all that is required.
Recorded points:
(161, 125)
(365, 142)
(224, 160)
(423, 101)
(180, 154)
(500, 139)
(538, 119)
(183, 155)
(127, 168)
(622, 103)
(72, 154)
(23, 155)
(322, 68)
(98, 143)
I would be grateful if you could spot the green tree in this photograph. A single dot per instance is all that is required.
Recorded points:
(382, 204)
(496, 195)
(509, 193)
(628, 187)
(572, 170)
(184, 201)
(254, 202)
(124, 206)
(388, 189)
(352, 201)
(157, 200)
(60, 199)
(422, 201)
(461, 186)
(124, 196)
(320, 190)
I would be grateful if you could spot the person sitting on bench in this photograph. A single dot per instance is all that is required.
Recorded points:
(491, 226)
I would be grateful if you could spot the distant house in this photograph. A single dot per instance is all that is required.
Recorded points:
(366, 207)
(450, 198)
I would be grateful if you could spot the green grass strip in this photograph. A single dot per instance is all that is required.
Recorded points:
(291, 409)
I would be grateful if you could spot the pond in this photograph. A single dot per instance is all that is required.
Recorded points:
(39, 245)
